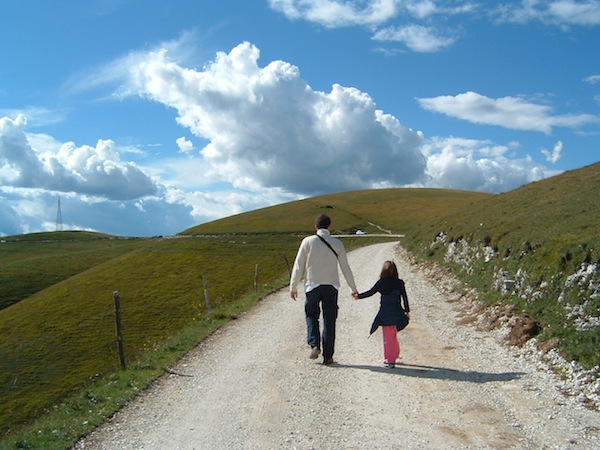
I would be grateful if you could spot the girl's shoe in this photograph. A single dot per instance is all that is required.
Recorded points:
(389, 365)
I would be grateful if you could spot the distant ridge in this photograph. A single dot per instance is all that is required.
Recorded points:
(396, 209)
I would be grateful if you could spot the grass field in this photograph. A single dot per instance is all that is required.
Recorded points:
(60, 374)
(545, 237)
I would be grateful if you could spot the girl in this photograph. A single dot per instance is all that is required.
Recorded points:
(394, 311)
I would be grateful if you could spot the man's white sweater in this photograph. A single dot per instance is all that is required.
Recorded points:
(317, 264)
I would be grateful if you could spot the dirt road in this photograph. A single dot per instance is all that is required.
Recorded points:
(252, 385)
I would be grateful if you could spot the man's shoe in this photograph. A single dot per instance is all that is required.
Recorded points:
(327, 361)
(315, 352)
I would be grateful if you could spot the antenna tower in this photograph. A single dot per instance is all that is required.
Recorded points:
(59, 222)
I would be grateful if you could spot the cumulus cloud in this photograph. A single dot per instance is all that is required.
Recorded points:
(508, 112)
(267, 137)
(9, 219)
(268, 129)
(559, 12)
(86, 170)
(476, 165)
(184, 145)
(554, 155)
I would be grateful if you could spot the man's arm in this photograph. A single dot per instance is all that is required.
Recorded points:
(346, 271)
(298, 270)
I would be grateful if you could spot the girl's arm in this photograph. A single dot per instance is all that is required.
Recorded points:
(404, 298)
(370, 292)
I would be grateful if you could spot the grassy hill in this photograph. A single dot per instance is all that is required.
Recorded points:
(33, 262)
(536, 249)
(58, 358)
(396, 210)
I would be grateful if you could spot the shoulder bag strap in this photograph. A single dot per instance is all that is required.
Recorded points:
(328, 245)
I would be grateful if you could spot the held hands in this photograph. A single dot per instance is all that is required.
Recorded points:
(294, 295)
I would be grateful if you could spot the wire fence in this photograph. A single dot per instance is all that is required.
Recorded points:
(77, 332)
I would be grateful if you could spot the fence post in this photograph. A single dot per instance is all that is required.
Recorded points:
(119, 330)
(287, 263)
(206, 297)
(256, 278)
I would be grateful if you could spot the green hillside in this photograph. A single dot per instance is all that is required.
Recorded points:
(30, 263)
(395, 210)
(536, 248)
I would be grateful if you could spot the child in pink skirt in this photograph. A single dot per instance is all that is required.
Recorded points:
(394, 311)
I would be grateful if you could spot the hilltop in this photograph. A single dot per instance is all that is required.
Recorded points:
(396, 210)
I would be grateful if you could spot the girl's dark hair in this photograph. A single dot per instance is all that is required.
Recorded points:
(389, 270)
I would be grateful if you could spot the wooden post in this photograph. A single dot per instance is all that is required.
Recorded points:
(256, 278)
(119, 330)
(206, 297)
(287, 263)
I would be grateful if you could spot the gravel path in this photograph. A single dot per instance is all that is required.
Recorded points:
(252, 385)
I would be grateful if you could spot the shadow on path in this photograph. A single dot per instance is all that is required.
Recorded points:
(438, 373)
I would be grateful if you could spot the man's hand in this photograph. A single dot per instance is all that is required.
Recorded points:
(294, 295)
(355, 295)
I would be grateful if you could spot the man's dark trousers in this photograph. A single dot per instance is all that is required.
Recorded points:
(324, 296)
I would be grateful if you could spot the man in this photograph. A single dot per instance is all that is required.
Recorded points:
(317, 262)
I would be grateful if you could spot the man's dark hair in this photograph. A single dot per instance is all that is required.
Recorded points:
(322, 221)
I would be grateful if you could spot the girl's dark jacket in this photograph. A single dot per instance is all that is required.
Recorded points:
(394, 303)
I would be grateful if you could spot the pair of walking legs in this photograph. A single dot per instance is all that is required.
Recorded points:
(324, 297)
(391, 346)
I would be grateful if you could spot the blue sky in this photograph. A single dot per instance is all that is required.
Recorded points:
(148, 117)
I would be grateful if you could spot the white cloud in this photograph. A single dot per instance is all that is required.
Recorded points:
(423, 9)
(116, 73)
(36, 116)
(475, 165)
(415, 37)
(35, 211)
(508, 112)
(592, 79)
(10, 222)
(268, 129)
(374, 14)
(336, 13)
(86, 170)
(555, 154)
(184, 145)
(560, 12)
